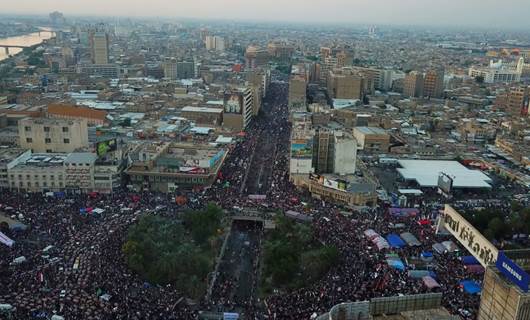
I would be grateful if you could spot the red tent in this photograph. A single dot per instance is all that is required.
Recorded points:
(424, 222)
(93, 194)
(135, 198)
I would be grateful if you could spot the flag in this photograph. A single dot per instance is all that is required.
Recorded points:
(5, 240)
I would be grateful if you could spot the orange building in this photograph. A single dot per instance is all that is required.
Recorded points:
(67, 111)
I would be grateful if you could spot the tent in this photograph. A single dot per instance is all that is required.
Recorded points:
(430, 282)
(410, 239)
(424, 222)
(469, 260)
(418, 274)
(395, 262)
(470, 286)
(474, 268)
(404, 212)
(439, 248)
(98, 210)
(395, 241)
(380, 243)
(426, 256)
(6, 240)
(371, 234)
(450, 246)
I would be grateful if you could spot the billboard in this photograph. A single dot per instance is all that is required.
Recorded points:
(445, 182)
(233, 103)
(485, 252)
(104, 147)
(302, 148)
(512, 271)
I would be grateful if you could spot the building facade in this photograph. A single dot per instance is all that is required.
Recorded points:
(52, 135)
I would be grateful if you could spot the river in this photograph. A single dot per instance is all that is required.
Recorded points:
(24, 40)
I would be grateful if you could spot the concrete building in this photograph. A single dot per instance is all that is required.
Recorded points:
(346, 189)
(329, 63)
(433, 83)
(372, 139)
(505, 293)
(413, 84)
(238, 109)
(10, 157)
(203, 115)
(170, 68)
(166, 167)
(73, 112)
(256, 57)
(52, 135)
(102, 70)
(99, 45)
(216, 43)
(38, 173)
(185, 70)
(499, 72)
(344, 84)
(79, 171)
(280, 50)
(334, 151)
(297, 92)
(514, 100)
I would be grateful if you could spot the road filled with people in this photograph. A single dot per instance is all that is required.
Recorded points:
(69, 262)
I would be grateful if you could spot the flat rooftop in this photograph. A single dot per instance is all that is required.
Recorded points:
(202, 109)
(45, 160)
(370, 130)
(8, 154)
(426, 172)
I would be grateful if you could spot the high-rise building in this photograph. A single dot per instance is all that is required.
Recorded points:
(185, 70)
(334, 152)
(433, 83)
(344, 84)
(256, 57)
(505, 287)
(327, 65)
(413, 84)
(238, 108)
(297, 91)
(514, 100)
(325, 52)
(99, 44)
(216, 43)
(170, 68)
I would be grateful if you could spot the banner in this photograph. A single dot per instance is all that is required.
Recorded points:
(512, 271)
(5, 240)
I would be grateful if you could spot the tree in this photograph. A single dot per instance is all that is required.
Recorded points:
(479, 79)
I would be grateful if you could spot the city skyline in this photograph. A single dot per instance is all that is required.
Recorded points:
(405, 12)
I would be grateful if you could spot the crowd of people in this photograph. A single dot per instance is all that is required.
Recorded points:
(82, 274)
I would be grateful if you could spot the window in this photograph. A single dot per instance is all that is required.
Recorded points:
(65, 129)
(27, 129)
(29, 140)
(46, 129)
(49, 151)
(66, 140)
(47, 140)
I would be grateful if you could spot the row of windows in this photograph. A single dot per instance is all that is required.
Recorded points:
(36, 176)
(169, 179)
(46, 129)
(47, 140)
(28, 184)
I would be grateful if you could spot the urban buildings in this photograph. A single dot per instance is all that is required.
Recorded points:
(238, 108)
(166, 167)
(52, 135)
(344, 84)
(413, 84)
(433, 83)
(499, 72)
(99, 44)
(372, 139)
(297, 88)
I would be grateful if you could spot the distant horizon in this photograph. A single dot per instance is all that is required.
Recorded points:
(176, 19)
(480, 14)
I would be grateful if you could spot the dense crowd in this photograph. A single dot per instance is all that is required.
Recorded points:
(83, 274)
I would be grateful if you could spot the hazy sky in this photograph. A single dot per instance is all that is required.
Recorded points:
(488, 13)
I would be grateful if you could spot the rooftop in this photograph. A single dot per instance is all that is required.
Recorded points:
(370, 130)
(426, 172)
(202, 109)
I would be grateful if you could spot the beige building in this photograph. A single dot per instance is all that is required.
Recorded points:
(433, 84)
(52, 135)
(348, 189)
(502, 299)
(344, 84)
(99, 45)
(372, 139)
(413, 84)
(38, 173)
(238, 109)
(297, 91)
(203, 115)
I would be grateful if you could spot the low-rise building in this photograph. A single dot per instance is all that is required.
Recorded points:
(372, 139)
(346, 189)
(52, 135)
(166, 167)
(203, 115)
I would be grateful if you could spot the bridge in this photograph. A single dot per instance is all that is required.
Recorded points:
(7, 46)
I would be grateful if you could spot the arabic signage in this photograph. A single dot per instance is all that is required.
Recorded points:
(485, 252)
(512, 271)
